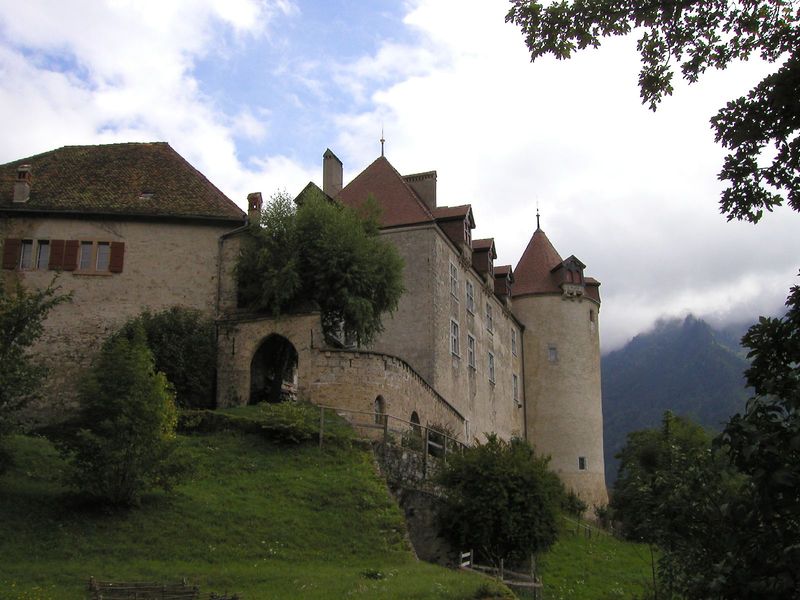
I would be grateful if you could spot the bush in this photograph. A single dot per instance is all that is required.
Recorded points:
(184, 347)
(573, 505)
(125, 444)
(500, 500)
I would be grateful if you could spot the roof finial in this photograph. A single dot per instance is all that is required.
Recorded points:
(382, 140)
(537, 215)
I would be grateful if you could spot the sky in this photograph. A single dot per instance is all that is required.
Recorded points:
(252, 92)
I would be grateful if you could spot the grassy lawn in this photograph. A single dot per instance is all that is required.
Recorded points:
(597, 568)
(264, 521)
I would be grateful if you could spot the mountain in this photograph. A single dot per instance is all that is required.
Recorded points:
(686, 366)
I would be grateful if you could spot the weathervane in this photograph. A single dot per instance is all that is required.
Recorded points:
(537, 214)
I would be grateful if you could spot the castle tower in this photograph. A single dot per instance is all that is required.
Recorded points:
(559, 308)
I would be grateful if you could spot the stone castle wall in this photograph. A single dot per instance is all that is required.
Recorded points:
(562, 389)
(165, 264)
(340, 378)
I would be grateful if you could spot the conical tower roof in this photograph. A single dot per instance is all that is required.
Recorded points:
(533, 274)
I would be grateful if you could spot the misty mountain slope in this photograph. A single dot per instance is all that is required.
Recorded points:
(683, 366)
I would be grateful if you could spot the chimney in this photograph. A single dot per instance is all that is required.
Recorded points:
(424, 184)
(254, 204)
(22, 186)
(331, 174)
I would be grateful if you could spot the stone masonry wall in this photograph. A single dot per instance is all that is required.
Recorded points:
(562, 388)
(165, 264)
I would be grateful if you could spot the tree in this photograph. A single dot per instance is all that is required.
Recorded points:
(22, 314)
(701, 35)
(184, 347)
(325, 255)
(764, 445)
(501, 500)
(126, 427)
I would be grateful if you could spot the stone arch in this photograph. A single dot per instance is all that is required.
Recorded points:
(380, 410)
(273, 370)
(415, 423)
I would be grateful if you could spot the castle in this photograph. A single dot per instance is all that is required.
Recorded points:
(474, 345)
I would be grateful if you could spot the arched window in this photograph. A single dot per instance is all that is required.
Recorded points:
(415, 425)
(380, 410)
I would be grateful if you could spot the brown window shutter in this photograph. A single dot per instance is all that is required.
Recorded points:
(71, 255)
(56, 255)
(11, 249)
(117, 256)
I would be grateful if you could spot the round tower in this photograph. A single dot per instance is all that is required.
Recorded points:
(559, 307)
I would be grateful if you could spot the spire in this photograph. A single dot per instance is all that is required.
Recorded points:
(382, 140)
(537, 215)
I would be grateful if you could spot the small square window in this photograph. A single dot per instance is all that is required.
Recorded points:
(581, 463)
(552, 353)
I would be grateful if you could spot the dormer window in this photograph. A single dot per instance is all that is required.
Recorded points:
(467, 232)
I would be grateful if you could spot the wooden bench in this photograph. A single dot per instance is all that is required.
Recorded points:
(117, 590)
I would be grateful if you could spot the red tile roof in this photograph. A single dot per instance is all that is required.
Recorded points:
(134, 179)
(485, 244)
(532, 275)
(399, 203)
(453, 212)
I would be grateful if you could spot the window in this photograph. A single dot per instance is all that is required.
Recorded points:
(513, 341)
(415, 426)
(380, 410)
(26, 255)
(581, 463)
(43, 254)
(489, 318)
(515, 389)
(470, 351)
(592, 321)
(454, 280)
(552, 353)
(491, 367)
(103, 254)
(454, 347)
(85, 261)
(470, 297)
(467, 232)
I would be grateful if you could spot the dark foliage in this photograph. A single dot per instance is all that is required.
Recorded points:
(500, 500)
(184, 347)
(701, 35)
(125, 443)
(325, 255)
(22, 313)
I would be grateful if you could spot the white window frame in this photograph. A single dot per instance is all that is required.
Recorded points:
(455, 348)
(43, 254)
(26, 257)
(489, 317)
(491, 367)
(470, 297)
(454, 280)
(471, 351)
(515, 389)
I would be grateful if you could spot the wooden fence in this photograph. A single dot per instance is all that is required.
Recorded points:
(515, 579)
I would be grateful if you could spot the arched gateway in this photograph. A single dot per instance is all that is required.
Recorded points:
(273, 370)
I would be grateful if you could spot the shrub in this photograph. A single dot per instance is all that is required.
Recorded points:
(500, 500)
(125, 444)
(184, 347)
